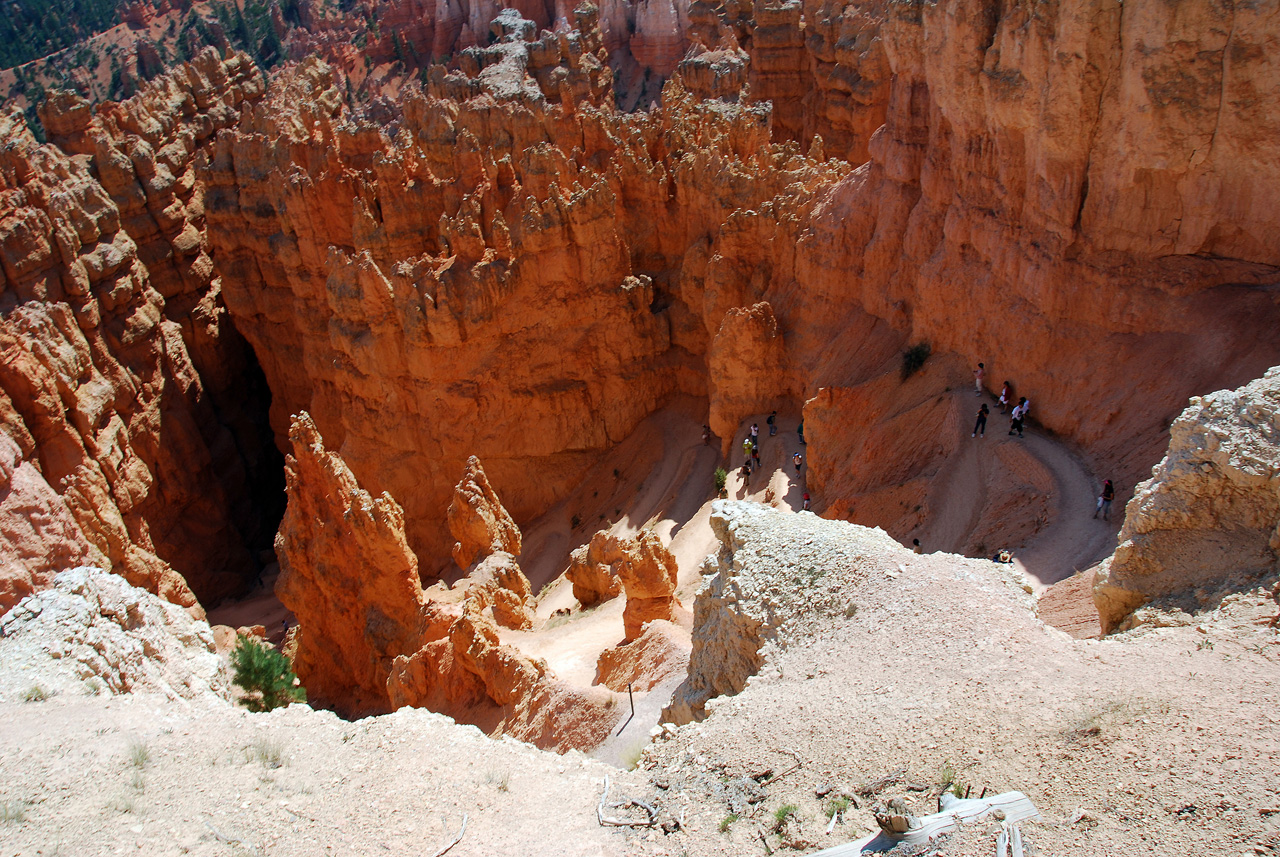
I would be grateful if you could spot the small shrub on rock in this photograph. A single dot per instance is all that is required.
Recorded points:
(913, 358)
(264, 675)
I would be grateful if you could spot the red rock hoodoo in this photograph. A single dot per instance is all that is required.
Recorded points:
(477, 519)
(369, 640)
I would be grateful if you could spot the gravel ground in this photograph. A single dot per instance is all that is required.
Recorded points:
(1161, 741)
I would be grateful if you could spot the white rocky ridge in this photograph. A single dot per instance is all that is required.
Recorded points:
(92, 632)
(1208, 520)
(772, 568)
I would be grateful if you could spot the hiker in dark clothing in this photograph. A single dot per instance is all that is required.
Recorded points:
(1104, 500)
(980, 427)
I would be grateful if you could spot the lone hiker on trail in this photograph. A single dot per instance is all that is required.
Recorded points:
(706, 435)
(800, 431)
(805, 504)
(1104, 500)
(981, 424)
(796, 459)
(773, 423)
(979, 375)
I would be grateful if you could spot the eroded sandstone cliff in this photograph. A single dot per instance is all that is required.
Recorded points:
(123, 380)
(369, 640)
(492, 274)
(499, 263)
(1208, 519)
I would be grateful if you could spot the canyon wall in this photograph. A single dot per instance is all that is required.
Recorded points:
(1072, 195)
(682, 251)
(503, 270)
(122, 382)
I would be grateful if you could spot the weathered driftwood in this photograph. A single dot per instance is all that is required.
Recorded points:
(609, 821)
(456, 839)
(773, 778)
(1012, 807)
(1009, 836)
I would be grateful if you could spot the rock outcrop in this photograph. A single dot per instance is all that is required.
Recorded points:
(768, 571)
(497, 583)
(1209, 517)
(90, 632)
(38, 534)
(348, 576)
(640, 566)
(591, 574)
(368, 639)
(478, 520)
(659, 654)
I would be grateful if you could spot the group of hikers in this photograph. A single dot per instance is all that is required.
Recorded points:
(751, 448)
(1016, 416)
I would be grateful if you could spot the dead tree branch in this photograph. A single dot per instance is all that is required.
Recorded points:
(456, 839)
(610, 821)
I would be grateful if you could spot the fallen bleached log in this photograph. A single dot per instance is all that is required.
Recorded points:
(1008, 808)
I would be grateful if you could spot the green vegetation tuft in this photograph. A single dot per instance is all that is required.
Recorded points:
(264, 675)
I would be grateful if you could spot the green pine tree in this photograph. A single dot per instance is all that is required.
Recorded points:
(265, 676)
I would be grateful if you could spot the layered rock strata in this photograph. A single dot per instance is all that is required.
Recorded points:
(1209, 516)
(387, 285)
(372, 641)
(1125, 255)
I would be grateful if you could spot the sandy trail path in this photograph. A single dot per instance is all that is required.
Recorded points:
(1070, 539)
(1074, 540)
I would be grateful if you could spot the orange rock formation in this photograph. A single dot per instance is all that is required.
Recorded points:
(477, 519)
(122, 383)
(660, 653)
(641, 566)
(371, 641)
(498, 583)
(499, 263)
(409, 342)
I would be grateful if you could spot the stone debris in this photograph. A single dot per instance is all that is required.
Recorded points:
(92, 633)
